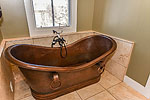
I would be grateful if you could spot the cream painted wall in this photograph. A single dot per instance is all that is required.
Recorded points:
(85, 14)
(128, 19)
(15, 22)
(14, 19)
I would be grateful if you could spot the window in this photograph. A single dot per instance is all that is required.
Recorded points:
(43, 16)
(51, 13)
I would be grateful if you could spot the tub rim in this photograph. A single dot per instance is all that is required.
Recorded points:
(26, 65)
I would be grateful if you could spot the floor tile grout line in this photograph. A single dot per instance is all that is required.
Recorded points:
(103, 91)
(112, 95)
(95, 94)
(79, 95)
(101, 86)
(110, 86)
(113, 75)
(109, 92)
(92, 95)
(114, 85)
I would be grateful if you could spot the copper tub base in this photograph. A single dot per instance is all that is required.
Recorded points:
(61, 92)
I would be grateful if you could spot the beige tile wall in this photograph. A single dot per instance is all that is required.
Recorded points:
(119, 62)
(46, 41)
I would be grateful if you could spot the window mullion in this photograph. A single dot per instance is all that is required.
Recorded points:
(53, 18)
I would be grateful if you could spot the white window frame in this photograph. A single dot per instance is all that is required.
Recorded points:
(34, 32)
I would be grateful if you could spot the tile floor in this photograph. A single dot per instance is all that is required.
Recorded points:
(108, 88)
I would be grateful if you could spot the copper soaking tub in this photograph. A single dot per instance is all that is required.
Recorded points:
(49, 75)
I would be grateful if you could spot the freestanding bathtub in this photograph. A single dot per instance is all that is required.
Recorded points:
(49, 75)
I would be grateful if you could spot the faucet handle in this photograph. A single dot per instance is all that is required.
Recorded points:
(54, 31)
(57, 32)
(63, 39)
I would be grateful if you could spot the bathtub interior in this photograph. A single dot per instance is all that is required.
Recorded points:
(78, 53)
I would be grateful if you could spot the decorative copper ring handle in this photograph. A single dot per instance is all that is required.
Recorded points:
(101, 67)
(55, 84)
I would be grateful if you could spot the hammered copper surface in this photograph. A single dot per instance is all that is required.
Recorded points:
(50, 76)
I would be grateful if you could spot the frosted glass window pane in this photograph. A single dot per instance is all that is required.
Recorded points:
(44, 16)
(61, 12)
(43, 13)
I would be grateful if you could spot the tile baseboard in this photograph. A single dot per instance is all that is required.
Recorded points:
(138, 87)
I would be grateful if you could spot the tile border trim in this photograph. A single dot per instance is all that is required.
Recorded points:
(144, 90)
(124, 40)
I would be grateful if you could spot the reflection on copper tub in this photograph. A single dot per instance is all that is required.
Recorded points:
(49, 75)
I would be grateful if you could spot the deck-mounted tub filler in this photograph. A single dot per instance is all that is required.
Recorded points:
(49, 75)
